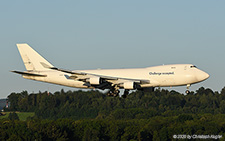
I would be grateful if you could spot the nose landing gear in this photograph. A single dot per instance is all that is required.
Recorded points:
(187, 91)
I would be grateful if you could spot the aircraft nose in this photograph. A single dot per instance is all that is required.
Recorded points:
(202, 76)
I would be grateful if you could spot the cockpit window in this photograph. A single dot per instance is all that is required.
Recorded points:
(193, 67)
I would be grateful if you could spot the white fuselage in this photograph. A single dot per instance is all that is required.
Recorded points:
(39, 69)
(158, 76)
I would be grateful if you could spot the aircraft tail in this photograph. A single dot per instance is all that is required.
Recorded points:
(32, 60)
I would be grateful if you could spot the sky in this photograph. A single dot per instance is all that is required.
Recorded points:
(104, 34)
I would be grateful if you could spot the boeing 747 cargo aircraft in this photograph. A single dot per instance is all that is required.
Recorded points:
(39, 69)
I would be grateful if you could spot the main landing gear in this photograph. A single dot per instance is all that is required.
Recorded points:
(114, 91)
(126, 92)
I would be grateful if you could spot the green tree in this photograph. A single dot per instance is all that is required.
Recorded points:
(13, 116)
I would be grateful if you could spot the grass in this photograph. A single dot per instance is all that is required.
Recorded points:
(22, 115)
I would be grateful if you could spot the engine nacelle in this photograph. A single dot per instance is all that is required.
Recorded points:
(129, 85)
(94, 80)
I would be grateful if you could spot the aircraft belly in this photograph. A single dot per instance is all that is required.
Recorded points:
(168, 81)
(66, 82)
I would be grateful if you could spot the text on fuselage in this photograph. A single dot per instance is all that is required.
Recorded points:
(161, 73)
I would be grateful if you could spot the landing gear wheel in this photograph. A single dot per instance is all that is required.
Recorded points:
(126, 92)
(116, 93)
(187, 92)
(124, 96)
(109, 94)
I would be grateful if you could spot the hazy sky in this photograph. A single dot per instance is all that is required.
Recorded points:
(91, 34)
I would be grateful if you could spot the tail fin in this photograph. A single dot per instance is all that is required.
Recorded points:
(32, 60)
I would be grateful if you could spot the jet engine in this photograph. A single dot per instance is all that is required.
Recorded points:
(94, 80)
(129, 85)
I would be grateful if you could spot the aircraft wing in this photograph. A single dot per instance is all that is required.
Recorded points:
(115, 80)
(68, 71)
(120, 79)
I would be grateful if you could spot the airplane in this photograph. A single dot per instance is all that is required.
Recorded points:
(146, 79)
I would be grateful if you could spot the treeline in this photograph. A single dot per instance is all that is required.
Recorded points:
(78, 115)
(2, 103)
(155, 128)
(138, 105)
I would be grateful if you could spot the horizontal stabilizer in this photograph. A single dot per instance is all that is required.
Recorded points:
(29, 74)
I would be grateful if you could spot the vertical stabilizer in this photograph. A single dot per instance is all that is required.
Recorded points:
(31, 59)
